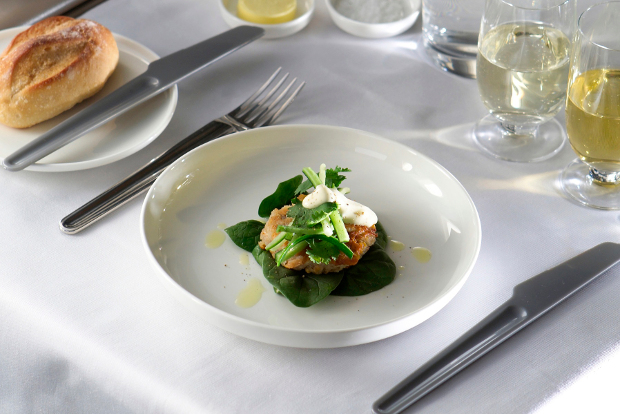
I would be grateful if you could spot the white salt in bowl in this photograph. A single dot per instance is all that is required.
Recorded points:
(374, 30)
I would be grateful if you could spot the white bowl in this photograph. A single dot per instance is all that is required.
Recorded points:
(375, 30)
(305, 10)
(418, 202)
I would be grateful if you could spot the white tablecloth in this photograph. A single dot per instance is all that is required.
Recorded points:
(86, 328)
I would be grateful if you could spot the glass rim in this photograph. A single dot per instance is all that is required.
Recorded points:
(559, 4)
(583, 35)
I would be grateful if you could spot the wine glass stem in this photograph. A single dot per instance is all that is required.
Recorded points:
(512, 129)
(604, 178)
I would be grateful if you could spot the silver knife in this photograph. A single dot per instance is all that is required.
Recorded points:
(160, 75)
(530, 300)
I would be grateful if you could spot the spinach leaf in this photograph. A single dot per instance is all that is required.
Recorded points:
(382, 238)
(299, 288)
(245, 234)
(308, 217)
(374, 271)
(281, 197)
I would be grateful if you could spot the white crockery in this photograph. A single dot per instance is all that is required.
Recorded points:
(305, 10)
(117, 139)
(418, 202)
(375, 30)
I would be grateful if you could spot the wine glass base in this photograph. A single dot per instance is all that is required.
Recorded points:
(547, 140)
(578, 184)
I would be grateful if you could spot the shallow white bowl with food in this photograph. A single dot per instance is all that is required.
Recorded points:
(418, 202)
(113, 141)
(375, 30)
(305, 10)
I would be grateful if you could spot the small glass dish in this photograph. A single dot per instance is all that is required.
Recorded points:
(305, 10)
(375, 30)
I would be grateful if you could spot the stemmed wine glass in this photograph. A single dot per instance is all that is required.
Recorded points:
(593, 109)
(522, 72)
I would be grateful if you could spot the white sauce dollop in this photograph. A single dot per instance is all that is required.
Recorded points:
(320, 195)
(351, 211)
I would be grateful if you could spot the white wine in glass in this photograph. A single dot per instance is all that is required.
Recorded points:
(593, 109)
(593, 118)
(522, 71)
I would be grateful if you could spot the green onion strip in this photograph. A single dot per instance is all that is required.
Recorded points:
(285, 254)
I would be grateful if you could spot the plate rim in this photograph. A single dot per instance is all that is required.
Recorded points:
(171, 104)
(411, 319)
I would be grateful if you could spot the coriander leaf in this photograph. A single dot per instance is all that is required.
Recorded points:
(245, 234)
(333, 179)
(321, 251)
(281, 197)
(308, 217)
(303, 187)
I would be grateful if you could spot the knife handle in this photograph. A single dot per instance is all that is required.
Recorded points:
(141, 180)
(134, 92)
(486, 335)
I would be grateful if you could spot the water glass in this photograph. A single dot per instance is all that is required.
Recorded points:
(451, 30)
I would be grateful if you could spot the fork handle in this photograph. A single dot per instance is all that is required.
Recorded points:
(141, 180)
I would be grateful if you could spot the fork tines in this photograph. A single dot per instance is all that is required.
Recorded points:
(260, 109)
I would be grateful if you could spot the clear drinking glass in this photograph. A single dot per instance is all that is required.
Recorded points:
(522, 71)
(450, 30)
(593, 109)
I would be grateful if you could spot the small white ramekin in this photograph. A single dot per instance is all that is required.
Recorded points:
(305, 10)
(375, 30)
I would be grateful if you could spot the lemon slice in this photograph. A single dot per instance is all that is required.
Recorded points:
(267, 11)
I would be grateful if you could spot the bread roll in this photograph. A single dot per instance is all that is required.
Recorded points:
(52, 66)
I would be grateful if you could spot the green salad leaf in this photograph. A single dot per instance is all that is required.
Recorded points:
(245, 234)
(320, 251)
(308, 217)
(374, 271)
(382, 238)
(332, 180)
(307, 232)
(303, 187)
(299, 288)
(281, 197)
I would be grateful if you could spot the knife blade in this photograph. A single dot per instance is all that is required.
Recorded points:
(160, 75)
(530, 300)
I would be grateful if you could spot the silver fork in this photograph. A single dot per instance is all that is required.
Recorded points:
(260, 109)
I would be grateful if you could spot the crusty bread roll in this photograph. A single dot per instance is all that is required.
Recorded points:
(52, 66)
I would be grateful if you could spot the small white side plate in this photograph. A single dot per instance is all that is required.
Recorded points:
(305, 10)
(418, 202)
(375, 30)
(111, 142)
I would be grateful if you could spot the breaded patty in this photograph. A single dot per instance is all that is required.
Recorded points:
(361, 238)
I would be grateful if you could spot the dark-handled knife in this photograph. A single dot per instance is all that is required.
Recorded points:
(530, 300)
(160, 75)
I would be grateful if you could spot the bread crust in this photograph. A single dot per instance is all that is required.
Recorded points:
(52, 66)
